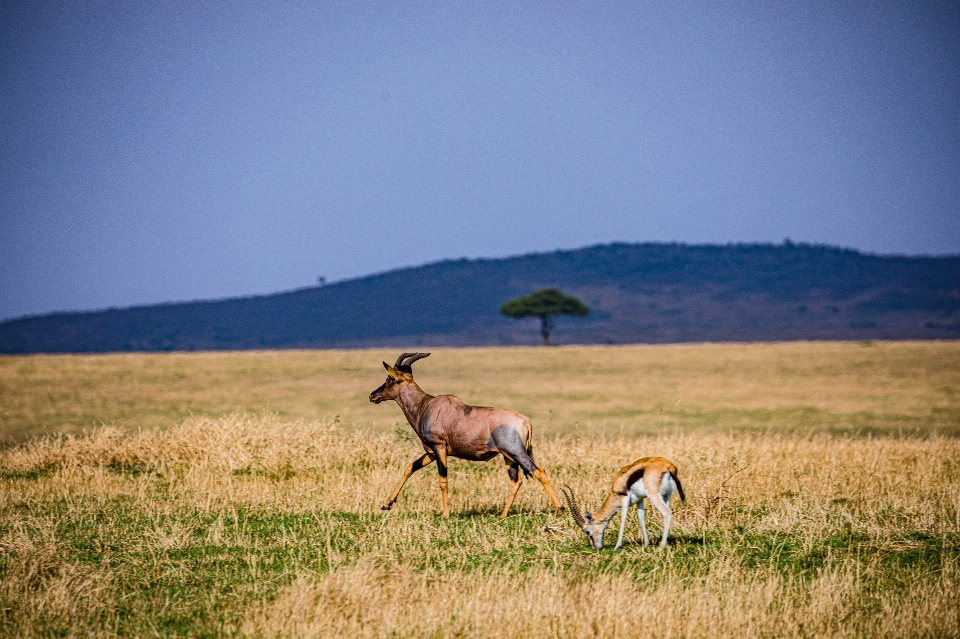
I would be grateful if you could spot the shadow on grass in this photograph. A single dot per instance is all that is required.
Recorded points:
(680, 541)
(495, 513)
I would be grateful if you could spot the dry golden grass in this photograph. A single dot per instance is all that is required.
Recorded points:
(910, 387)
(266, 522)
(260, 526)
(726, 602)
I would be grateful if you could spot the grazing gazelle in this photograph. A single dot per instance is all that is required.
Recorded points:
(654, 478)
(447, 426)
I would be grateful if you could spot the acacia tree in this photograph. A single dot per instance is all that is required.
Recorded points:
(544, 303)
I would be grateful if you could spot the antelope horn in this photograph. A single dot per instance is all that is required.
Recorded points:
(401, 358)
(407, 359)
(574, 508)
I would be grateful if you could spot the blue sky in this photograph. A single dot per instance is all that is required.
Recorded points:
(165, 151)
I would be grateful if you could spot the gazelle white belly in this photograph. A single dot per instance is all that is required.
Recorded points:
(638, 491)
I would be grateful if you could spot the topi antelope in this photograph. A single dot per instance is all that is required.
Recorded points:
(654, 478)
(447, 426)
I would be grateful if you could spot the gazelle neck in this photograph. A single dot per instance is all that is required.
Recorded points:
(413, 403)
(608, 508)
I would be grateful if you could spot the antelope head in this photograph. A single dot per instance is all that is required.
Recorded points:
(592, 529)
(396, 375)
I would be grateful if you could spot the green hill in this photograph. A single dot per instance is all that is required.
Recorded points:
(637, 293)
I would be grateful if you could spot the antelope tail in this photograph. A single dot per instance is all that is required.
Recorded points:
(676, 480)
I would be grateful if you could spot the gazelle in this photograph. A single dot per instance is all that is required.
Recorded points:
(653, 478)
(448, 427)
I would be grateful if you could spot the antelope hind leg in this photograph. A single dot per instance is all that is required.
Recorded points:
(510, 445)
(411, 469)
(542, 478)
(664, 509)
(513, 470)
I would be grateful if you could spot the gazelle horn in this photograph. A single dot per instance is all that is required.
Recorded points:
(574, 508)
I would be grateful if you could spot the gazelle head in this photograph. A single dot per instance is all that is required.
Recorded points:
(396, 375)
(592, 529)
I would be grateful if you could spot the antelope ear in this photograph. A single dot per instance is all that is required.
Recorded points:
(392, 372)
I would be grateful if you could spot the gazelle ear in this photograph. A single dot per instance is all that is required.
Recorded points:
(392, 373)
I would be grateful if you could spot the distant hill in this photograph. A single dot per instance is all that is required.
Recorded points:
(637, 293)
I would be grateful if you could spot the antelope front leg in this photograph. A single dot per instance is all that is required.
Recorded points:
(624, 507)
(411, 469)
(442, 471)
(642, 518)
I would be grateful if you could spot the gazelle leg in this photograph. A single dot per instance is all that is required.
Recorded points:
(542, 478)
(442, 470)
(411, 469)
(624, 507)
(664, 509)
(513, 469)
(642, 516)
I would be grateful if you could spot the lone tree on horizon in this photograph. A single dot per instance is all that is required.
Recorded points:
(544, 303)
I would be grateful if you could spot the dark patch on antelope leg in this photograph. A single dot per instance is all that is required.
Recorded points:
(509, 442)
(441, 467)
(513, 473)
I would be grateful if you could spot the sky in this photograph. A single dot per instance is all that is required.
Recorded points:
(170, 151)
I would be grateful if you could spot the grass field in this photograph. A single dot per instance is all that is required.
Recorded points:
(855, 388)
(238, 493)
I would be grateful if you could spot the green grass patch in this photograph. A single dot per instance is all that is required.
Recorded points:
(189, 573)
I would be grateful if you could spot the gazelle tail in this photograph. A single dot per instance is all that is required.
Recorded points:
(676, 480)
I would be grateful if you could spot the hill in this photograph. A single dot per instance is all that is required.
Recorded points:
(637, 292)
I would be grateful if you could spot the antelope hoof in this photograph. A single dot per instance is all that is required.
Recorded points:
(388, 505)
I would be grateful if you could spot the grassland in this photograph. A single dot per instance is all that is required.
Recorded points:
(846, 387)
(823, 487)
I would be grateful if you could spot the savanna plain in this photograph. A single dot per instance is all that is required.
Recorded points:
(239, 493)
